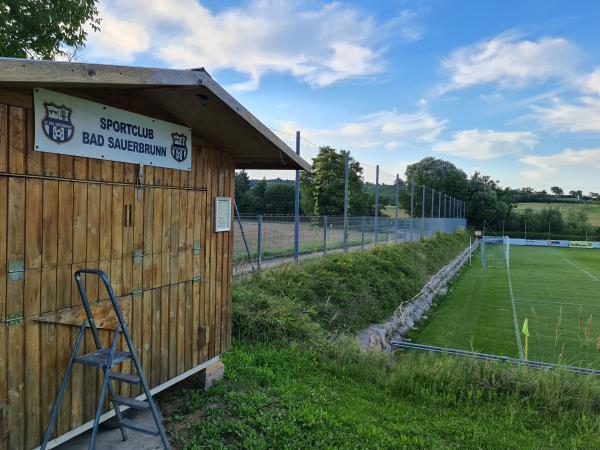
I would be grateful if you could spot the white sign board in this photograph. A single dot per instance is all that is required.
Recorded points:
(73, 126)
(222, 214)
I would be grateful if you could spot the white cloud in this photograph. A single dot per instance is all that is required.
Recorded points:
(570, 167)
(591, 82)
(486, 144)
(318, 45)
(384, 129)
(119, 40)
(583, 115)
(508, 60)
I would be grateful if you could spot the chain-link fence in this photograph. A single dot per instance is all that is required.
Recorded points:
(400, 211)
(262, 241)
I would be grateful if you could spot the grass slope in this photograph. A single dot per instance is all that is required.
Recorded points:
(592, 210)
(558, 299)
(293, 397)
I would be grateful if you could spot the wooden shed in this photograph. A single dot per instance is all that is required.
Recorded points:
(150, 227)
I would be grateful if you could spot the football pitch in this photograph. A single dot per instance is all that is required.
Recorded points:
(556, 289)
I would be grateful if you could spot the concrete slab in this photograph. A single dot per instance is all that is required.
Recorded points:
(111, 439)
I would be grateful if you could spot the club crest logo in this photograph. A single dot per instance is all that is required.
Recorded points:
(179, 149)
(57, 124)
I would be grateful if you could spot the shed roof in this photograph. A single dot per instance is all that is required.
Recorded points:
(190, 97)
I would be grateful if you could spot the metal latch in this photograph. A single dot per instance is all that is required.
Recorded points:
(197, 279)
(138, 256)
(16, 270)
(137, 293)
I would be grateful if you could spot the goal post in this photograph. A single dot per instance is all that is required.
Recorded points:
(495, 251)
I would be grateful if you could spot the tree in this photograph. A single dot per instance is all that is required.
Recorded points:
(556, 190)
(279, 199)
(45, 29)
(323, 188)
(243, 193)
(443, 176)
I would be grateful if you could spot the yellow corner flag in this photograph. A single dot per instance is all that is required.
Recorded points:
(525, 331)
(526, 328)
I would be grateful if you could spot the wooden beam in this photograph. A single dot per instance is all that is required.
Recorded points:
(102, 311)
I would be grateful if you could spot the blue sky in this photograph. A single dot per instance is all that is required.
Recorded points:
(507, 88)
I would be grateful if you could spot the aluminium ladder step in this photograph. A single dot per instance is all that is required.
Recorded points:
(131, 402)
(99, 358)
(135, 426)
(125, 378)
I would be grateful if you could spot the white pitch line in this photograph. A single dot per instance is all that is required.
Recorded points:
(583, 270)
(514, 311)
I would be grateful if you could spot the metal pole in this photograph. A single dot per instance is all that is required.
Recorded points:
(525, 228)
(412, 207)
(324, 235)
(362, 233)
(548, 228)
(503, 228)
(396, 211)
(237, 214)
(376, 202)
(439, 205)
(259, 243)
(421, 231)
(346, 181)
(297, 205)
(432, 201)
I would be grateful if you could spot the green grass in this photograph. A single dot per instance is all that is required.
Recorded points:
(277, 397)
(556, 297)
(591, 209)
(295, 378)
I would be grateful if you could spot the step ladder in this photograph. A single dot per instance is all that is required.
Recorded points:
(107, 358)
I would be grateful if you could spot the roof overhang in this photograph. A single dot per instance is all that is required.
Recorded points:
(190, 97)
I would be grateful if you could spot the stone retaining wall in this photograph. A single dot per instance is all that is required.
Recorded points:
(377, 337)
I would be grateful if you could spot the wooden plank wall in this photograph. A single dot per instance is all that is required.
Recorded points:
(62, 213)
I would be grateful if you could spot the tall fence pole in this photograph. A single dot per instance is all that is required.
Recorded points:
(396, 211)
(412, 207)
(376, 201)
(440, 205)
(432, 201)
(422, 214)
(362, 233)
(258, 242)
(324, 235)
(346, 180)
(297, 205)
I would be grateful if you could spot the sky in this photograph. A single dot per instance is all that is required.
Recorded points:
(507, 88)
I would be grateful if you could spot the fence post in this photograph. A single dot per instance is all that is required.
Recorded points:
(237, 214)
(324, 235)
(421, 230)
(259, 243)
(412, 207)
(376, 202)
(396, 212)
(346, 181)
(297, 205)
(362, 233)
